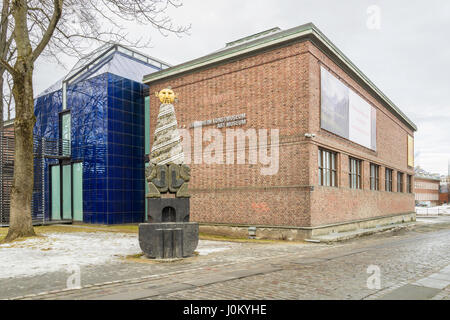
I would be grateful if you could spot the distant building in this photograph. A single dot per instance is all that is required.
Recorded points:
(443, 194)
(444, 190)
(426, 186)
(8, 128)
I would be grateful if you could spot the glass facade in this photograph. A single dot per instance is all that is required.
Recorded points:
(105, 117)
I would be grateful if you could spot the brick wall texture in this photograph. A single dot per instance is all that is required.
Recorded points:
(280, 89)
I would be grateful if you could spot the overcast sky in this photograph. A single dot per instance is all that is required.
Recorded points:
(408, 57)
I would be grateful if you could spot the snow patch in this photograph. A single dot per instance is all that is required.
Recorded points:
(58, 251)
(206, 247)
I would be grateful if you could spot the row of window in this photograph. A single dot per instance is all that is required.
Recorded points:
(427, 185)
(328, 173)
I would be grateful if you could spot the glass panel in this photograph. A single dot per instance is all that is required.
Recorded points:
(78, 191)
(67, 192)
(65, 133)
(56, 193)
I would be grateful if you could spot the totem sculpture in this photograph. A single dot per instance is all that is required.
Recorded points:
(168, 233)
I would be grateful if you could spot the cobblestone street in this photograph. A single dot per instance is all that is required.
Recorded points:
(413, 263)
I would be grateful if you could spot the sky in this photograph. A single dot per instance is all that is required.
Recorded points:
(402, 46)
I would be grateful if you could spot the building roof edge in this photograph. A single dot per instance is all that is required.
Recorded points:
(294, 34)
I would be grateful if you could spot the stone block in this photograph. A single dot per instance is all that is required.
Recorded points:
(168, 240)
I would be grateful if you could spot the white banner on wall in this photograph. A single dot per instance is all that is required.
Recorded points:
(360, 123)
(345, 113)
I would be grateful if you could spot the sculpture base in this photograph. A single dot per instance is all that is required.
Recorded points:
(168, 210)
(168, 240)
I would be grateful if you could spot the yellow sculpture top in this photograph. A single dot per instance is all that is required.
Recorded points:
(166, 95)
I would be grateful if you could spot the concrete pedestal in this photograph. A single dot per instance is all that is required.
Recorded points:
(168, 240)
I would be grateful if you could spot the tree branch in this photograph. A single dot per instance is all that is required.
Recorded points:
(7, 66)
(57, 11)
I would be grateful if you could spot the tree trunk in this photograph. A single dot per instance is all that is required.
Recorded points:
(20, 212)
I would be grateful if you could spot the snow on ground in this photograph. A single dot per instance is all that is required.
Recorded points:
(445, 209)
(60, 251)
(206, 247)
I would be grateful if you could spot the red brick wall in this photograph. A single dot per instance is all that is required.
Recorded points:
(331, 205)
(281, 89)
(8, 131)
(443, 198)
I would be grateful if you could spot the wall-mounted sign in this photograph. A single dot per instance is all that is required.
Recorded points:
(230, 121)
(345, 113)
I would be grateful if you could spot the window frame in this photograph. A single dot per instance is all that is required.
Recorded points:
(386, 180)
(355, 178)
(400, 185)
(374, 177)
(65, 144)
(409, 183)
(327, 168)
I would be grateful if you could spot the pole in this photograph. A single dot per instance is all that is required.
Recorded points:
(43, 179)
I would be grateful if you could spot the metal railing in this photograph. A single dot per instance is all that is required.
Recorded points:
(52, 148)
(43, 149)
(441, 210)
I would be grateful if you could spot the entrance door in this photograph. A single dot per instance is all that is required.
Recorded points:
(67, 192)
(77, 171)
(56, 192)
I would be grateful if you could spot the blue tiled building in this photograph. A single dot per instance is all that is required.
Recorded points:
(96, 117)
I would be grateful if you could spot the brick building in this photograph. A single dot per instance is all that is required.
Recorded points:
(8, 128)
(444, 189)
(426, 187)
(345, 150)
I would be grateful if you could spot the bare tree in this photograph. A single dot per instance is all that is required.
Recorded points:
(7, 54)
(49, 27)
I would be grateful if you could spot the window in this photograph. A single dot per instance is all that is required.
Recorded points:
(65, 133)
(355, 173)
(409, 183)
(374, 177)
(388, 179)
(399, 181)
(327, 168)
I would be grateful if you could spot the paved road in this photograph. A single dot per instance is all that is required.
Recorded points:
(413, 263)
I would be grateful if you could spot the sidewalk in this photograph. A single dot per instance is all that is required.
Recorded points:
(265, 270)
